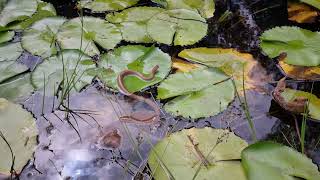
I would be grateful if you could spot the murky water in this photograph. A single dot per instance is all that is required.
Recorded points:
(89, 141)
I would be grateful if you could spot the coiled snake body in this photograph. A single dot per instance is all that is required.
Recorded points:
(123, 90)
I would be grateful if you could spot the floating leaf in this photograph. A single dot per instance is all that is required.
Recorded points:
(199, 93)
(138, 58)
(9, 69)
(290, 95)
(205, 7)
(180, 27)
(44, 10)
(268, 160)
(18, 127)
(300, 72)
(93, 30)
(198, 154)
(70, 66)
(40, 38)
(17, 10)
(184, 66)
(6, 36)
(133, 22)
(107, 5)
(314, 3)
(301, 13)
(16, 88)
(10, 52)
(301, 45)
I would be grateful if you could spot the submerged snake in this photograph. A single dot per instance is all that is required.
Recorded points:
(123, 90)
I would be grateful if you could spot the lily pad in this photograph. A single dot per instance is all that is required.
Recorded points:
(205, 7)
(133, 22)
(314, 3)
(10, 69)
(301, 45)
(107, 5)
(44, 10)
(198, 154)
(16, 88)
(40, 38)
(314, 102)
(17, 10)
(6, 36)
(268, 160)
(201, 93)
(70, 66)
(93, 30)
(301, 13)
(179, 26)
(10, 52)
(18, 127)
(138, 58)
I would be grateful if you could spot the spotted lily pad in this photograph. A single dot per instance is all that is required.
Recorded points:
(198, 93)
(133, 22)
(40, 38)
(314, 3)
(18, 127)
(70, 66)
(107, 5)
(17, 10)
(205, 7)
(198, 154)
(179, 26)
(93, 30)
(138, 58)
(6, 36)
(268, 160)
(314, 102)
(301, 45)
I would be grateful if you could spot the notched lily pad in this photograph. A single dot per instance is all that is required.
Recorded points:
(178, 27)
(198, 154)
(40, 38)
(107, 5)
(301, 45)
(133, 22)
(268, 160)
(83, 32)
(71, 66)
(205, 7)
(18, 127)
(137, 58)
(199, 93)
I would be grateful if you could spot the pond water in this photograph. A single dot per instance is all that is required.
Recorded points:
(103, 147)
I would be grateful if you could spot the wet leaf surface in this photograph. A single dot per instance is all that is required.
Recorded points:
(107, 5)
(314, 3)
(18, 127)
(6, 36)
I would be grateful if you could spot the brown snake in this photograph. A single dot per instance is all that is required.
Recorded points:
(123, 90)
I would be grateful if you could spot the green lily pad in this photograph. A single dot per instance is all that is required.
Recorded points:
(138, 58)
(93, 30)
(180, 27)
(18, 127)
(2, 4)
(40, 38)
(10, 52)
(6, 36)
(10, 69)
(199, 93)
(16, 88)
(17, 10)
(133, 22)
(314, 3)
(51, 72)
(205, 7)
(301, 45)
(44, 10)
(107, 5)
(314, 102)
(268, 160)
(178, 156)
